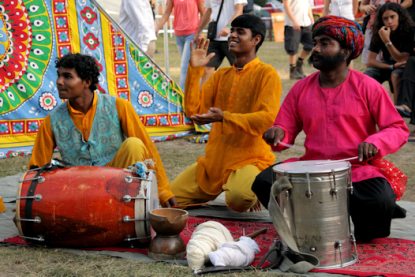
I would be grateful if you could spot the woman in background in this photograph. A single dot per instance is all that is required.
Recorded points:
(392, 38)
(187, 14)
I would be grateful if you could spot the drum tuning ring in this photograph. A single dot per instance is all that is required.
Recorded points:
(313, 249)
(36, 219)
(127, 198)
(308, 194)
(334, 191)
(36, 197)
(39, 238)
(40, 179)
(131, 219)
(337, 244)
(129, 179)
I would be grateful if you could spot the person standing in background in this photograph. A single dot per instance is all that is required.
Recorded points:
(230, 10)
(345, 8)
(187, 15)
(136, 18)
(298, 21)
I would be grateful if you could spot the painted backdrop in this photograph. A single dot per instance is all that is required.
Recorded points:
(33, 33)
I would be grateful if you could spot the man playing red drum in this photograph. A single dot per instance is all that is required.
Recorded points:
(94, 129)
(344, 114)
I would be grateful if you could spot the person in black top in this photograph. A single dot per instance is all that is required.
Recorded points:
(392, 39)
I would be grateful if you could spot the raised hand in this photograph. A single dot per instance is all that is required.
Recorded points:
(225, 32)
(384, 34)
(273, 135)
(198, 55)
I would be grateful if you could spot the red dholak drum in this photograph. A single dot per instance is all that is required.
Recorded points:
(85, 206)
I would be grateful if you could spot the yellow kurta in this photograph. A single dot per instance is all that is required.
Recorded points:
(131, 125)
(250, 100)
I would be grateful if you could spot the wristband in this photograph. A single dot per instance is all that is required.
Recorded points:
(392, 67)
(388, 44)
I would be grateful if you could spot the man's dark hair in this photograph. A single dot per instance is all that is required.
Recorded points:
(252, 22)
(405, 21)
(85, 66)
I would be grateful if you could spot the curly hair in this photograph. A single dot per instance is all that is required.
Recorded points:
(405, 20)
(85, 66)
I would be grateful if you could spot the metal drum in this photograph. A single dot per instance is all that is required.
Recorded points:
(85, 206)
(316, 209)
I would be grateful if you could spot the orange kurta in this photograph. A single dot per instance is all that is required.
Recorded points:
(250, 99)
(130, 124)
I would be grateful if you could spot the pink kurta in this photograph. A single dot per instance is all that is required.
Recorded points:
(336, 120)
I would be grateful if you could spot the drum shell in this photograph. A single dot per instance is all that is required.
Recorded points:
(81, 207)
(318, 218)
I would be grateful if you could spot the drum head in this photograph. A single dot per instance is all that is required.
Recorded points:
(314, 166)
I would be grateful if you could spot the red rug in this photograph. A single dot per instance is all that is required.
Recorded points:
(237, 229)
(387, 257)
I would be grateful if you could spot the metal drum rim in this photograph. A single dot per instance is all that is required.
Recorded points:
(311, 167)
(351, 262)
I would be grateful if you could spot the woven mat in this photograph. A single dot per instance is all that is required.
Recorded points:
(386, 257)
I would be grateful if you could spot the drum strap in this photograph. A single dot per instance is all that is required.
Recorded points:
(29, 202)
(286, 255)
(32, 189)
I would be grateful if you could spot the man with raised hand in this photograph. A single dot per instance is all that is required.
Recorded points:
(241, 102)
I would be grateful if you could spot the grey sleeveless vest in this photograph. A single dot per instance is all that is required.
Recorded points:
(104, 140)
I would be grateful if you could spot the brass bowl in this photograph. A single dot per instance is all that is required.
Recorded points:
(168, 221)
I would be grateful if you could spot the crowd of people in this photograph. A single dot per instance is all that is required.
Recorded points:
(342, 111)
(387, 25)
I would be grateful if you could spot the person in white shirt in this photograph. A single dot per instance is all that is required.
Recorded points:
(136, 18)
(298, 21)
(345, 8)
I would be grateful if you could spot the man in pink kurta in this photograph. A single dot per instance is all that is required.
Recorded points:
(344, 114)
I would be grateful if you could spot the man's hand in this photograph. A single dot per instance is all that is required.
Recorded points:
(366, 151)
(367, 9)
(213, 115)
(198, 55)
(169, 203)
(224, 32)
(401, 64)
(296, 26)
(385, 34)
(273, 135)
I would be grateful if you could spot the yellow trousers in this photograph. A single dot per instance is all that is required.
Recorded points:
(132, 150)
(238, 193)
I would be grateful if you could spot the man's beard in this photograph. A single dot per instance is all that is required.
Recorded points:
(326, 63)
